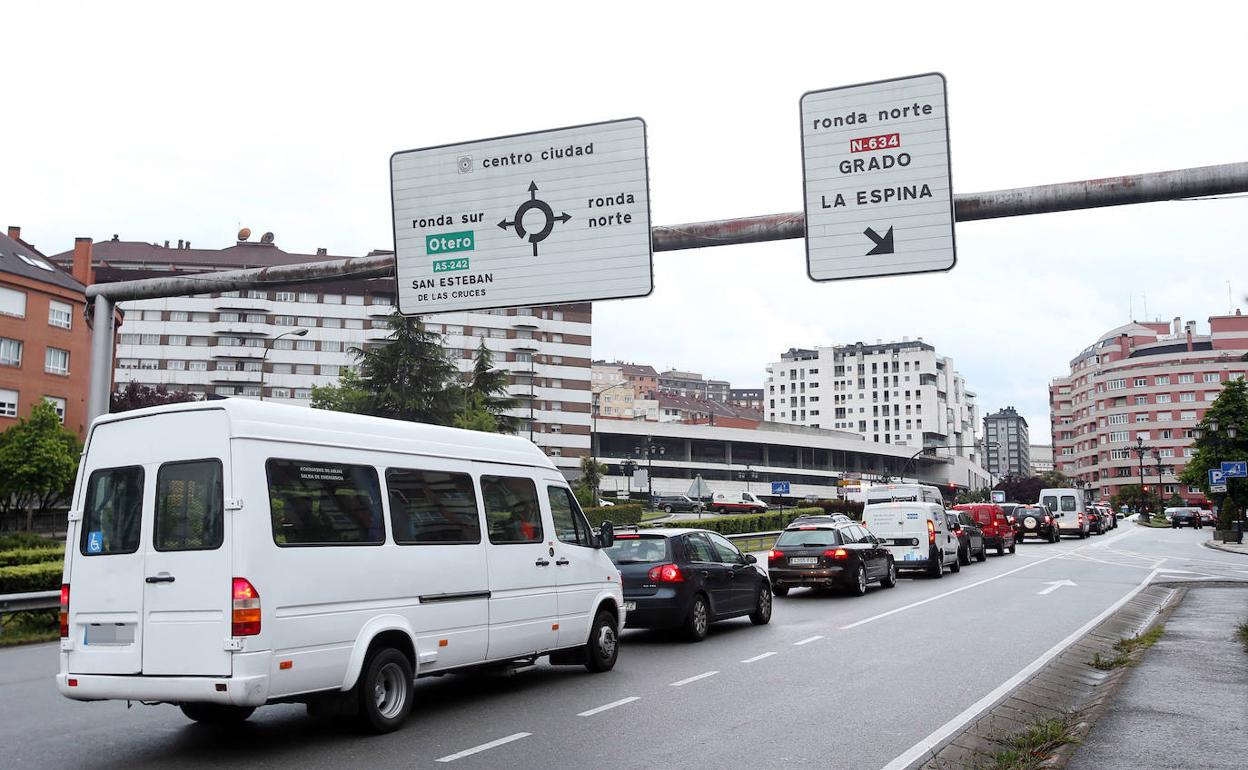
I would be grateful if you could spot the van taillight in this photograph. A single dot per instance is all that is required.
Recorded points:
(65, 610)
(931, 532)
(666, 573)
(246, 614)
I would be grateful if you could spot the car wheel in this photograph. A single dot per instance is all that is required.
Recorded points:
(890, 578)
(667, 509)
(956, 566)
(780, 590)
(965, 559)
(1001, 548)
(722, 511)
(698, 622)
(1013, 546)
(216, 713)
(603, 646)
(859, 586)
(761, 615)
(384, 691)
(983, 553)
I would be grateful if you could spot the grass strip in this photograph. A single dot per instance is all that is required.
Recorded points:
(1125, 646)
(1241, 631)
(1029, 749)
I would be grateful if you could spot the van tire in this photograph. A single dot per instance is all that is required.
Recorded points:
(698, 622)
(937, 567)
(216, 713)
(384, 691)
(603, 647)
(721, 511)
(956, 566)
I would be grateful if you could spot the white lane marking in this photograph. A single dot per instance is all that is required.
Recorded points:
(483, 747)
(757, 658)
(969, 586)
(938, 736)
(609, 706)
(684, 682)
(1053, 585)
(808, 640)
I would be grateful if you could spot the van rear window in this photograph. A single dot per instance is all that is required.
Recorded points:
(112, 512)
(1068, 503)
(320, 503)
(189, 506)
(432, 507)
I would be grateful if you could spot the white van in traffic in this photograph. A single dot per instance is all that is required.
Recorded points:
(917, 535)
(226, 554)
(1068, 508)
(897, 493)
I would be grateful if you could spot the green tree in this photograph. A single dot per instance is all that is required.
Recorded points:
(487, 390)
(973, 496)
(588, 485)
(1230, 412)
(408, 378)
(1131, 495)
(38, 461)
(1025, 489)
(1054, 479)
(475, 415)
(136, 396)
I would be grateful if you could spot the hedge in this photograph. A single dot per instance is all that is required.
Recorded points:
(30, 577)
(29, 556)
(621, 513)
(15, 540)
(739, 525)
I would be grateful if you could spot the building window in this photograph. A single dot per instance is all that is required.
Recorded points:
(149, 363)
(60, 314)
(8, 403)
(251, 390)
(1118, 436)
(1186, 378)
(150, 315)
(177, 339)
(256, 294)
(1163, 398)
(179, 315)
(284, 320)
(307, 320)
(382, 300)
(305, 369)
(331, 299)
(1187, 416)
(197, 366)
(257, 318)
(176, 366)
(1162, 380)
(286, 344)
(279, 392)
(355, 299)
(305, 345)
(307, 296)
(304, 393)
(331, 323)
(353, 323)
(59, 405)
(330, 346)
(1117, 419)
(149, 339)
(56, 361)
(10, 352)
(1187, 396)
(285, 296)
(12, 302)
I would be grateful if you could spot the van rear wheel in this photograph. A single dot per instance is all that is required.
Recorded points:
(216, 713)
(385, 691)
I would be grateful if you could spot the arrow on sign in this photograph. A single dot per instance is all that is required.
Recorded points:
(1053, 585)
(883, 244)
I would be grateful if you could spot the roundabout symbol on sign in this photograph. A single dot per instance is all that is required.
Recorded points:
(548, 215)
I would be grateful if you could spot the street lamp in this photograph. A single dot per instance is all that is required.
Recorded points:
(1140, 450)
(651, 449)
(596, 407)
(627, 467)
(267, 348)
(748, 475)
(1212, 431)
(1161, 500)
(910, 462)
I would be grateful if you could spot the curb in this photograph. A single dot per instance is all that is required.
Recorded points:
(1066, 686)
(1214, 546)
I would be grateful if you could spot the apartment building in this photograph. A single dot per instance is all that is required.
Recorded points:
(693, 385)
(748, 398)
(279, 342)
(44, 338)
(890, 392)
(1144, 385)
(1007, 446)
(1041, 458)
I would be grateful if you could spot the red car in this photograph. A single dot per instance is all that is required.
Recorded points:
(997, 527)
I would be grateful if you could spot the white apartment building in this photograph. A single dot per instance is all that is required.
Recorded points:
(890, 392)
(283, 341)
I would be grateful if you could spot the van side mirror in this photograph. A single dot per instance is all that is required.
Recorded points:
(606, 535)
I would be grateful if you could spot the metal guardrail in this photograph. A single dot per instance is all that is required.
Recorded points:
(35, 600)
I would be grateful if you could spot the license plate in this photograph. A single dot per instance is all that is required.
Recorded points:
(630, 606)
(804, 560)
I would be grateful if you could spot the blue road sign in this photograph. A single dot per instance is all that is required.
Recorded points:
(1216, 477)
(1236, 469)
(779, 487)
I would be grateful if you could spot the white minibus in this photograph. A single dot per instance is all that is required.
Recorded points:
(226, 554)
(1068, 507)
(903, 493)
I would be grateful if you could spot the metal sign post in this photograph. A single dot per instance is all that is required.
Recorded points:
(533, 219)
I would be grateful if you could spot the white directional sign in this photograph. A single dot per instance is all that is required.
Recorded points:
(875, 160)
(532, 219)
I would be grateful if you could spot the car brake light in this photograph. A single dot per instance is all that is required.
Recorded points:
(839, 553)
(628, 537)
(931, 531)
(666, 573)
(807, 527)
(246, 616)
(64, 610)
(774, 555)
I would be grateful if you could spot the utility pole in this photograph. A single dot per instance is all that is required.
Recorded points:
(1140, 450)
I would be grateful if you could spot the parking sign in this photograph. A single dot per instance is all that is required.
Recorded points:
(1216, 477)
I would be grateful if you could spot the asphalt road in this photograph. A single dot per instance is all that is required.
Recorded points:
(832, 682)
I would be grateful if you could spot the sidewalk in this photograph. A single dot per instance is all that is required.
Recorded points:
(1241, 548)
(1186, 704)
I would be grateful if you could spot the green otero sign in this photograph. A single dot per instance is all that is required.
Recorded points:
(446, 243)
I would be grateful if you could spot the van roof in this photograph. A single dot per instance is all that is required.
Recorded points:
(282, 422)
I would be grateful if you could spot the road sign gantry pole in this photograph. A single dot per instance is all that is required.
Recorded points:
(1041, 199)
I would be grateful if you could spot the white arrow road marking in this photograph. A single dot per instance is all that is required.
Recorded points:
(607, 707)
(483, 747)
(683, 682)
(1053, 585)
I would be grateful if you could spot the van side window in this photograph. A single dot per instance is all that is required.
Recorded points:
(431, 507)
(570, 524)
(189, 506)
(1068, 503)
(324, 503)
(1050, 502)
(511, 510)
(112, 511)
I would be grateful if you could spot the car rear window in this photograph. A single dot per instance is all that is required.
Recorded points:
(112, 511)
(638, 549)
(811, 538)
(189, 506)
(324, 503)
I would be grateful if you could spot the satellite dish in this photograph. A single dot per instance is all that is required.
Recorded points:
(244, 234)
(266, 238)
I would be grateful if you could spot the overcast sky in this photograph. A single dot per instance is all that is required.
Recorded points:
(167, 120)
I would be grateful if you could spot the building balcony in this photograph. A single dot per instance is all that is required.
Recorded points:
(380, 311)
(235, 351)
(243, 303)
(240, 327)
(251, 378)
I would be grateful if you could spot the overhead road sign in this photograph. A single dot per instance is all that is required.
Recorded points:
(1236, 469)
(531, 219)
(780, 487)
(878, 191)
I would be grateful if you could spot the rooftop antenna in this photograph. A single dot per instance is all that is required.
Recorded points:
(1131, 308)
(1146, 306)
(1230, 302)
